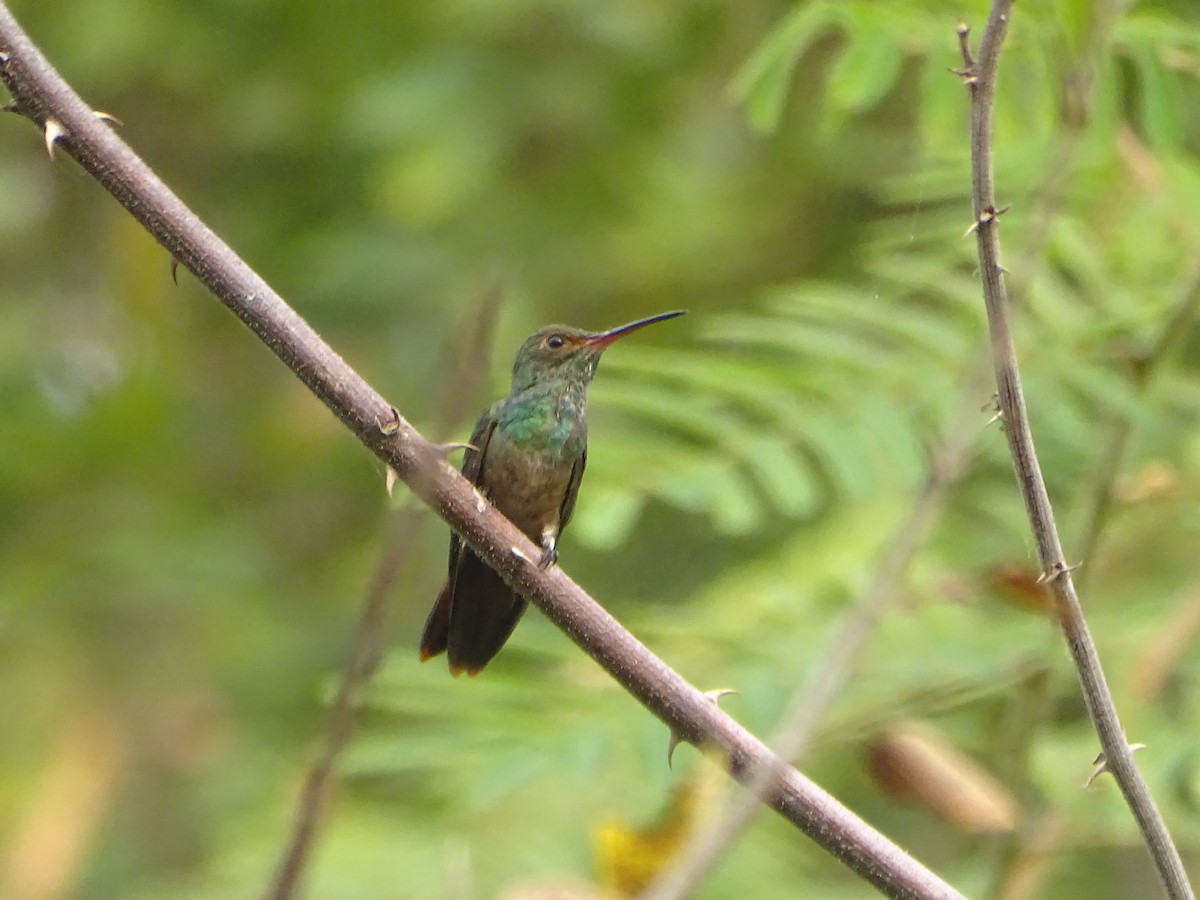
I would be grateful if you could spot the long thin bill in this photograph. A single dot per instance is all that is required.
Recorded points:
(604, 338)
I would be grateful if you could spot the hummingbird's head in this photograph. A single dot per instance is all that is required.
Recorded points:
(564, 352)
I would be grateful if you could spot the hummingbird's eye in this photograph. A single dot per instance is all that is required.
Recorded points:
(555, 341)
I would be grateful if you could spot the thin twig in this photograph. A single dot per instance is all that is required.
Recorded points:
(827, 675)
(366, 649)
(980, 79)
(1025, 854)
(41, 95)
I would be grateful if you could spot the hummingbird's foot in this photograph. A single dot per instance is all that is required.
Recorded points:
(549, 554)
(549, 548)
(447, 449)
(545, 559)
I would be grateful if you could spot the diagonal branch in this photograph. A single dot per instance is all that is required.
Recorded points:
(979, 75)
(40, 94)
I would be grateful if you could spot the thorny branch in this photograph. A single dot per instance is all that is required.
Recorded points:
(41, 95)
(834, 666)
(979, 76)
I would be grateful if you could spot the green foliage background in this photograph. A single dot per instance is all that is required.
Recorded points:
(185, 534)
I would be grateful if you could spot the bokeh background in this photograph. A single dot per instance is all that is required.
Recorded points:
(186, 535)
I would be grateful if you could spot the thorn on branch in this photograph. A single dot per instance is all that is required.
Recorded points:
(55, 132)
(715, 697)
(1101, 764)
(390, 427)
(106, 117)
(967, 76)
(175, 271)
(993, 406)
(1059, 570)
(986, 217)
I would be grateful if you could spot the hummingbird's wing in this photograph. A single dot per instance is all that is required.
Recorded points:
(568, 505)
(436, 635)
(482, 610)
(477, 450)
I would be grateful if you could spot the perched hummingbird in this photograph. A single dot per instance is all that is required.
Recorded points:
(526, 456)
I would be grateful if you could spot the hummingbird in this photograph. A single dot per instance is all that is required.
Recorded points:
(527, 456)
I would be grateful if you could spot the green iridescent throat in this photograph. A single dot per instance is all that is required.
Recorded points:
(546, 416)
